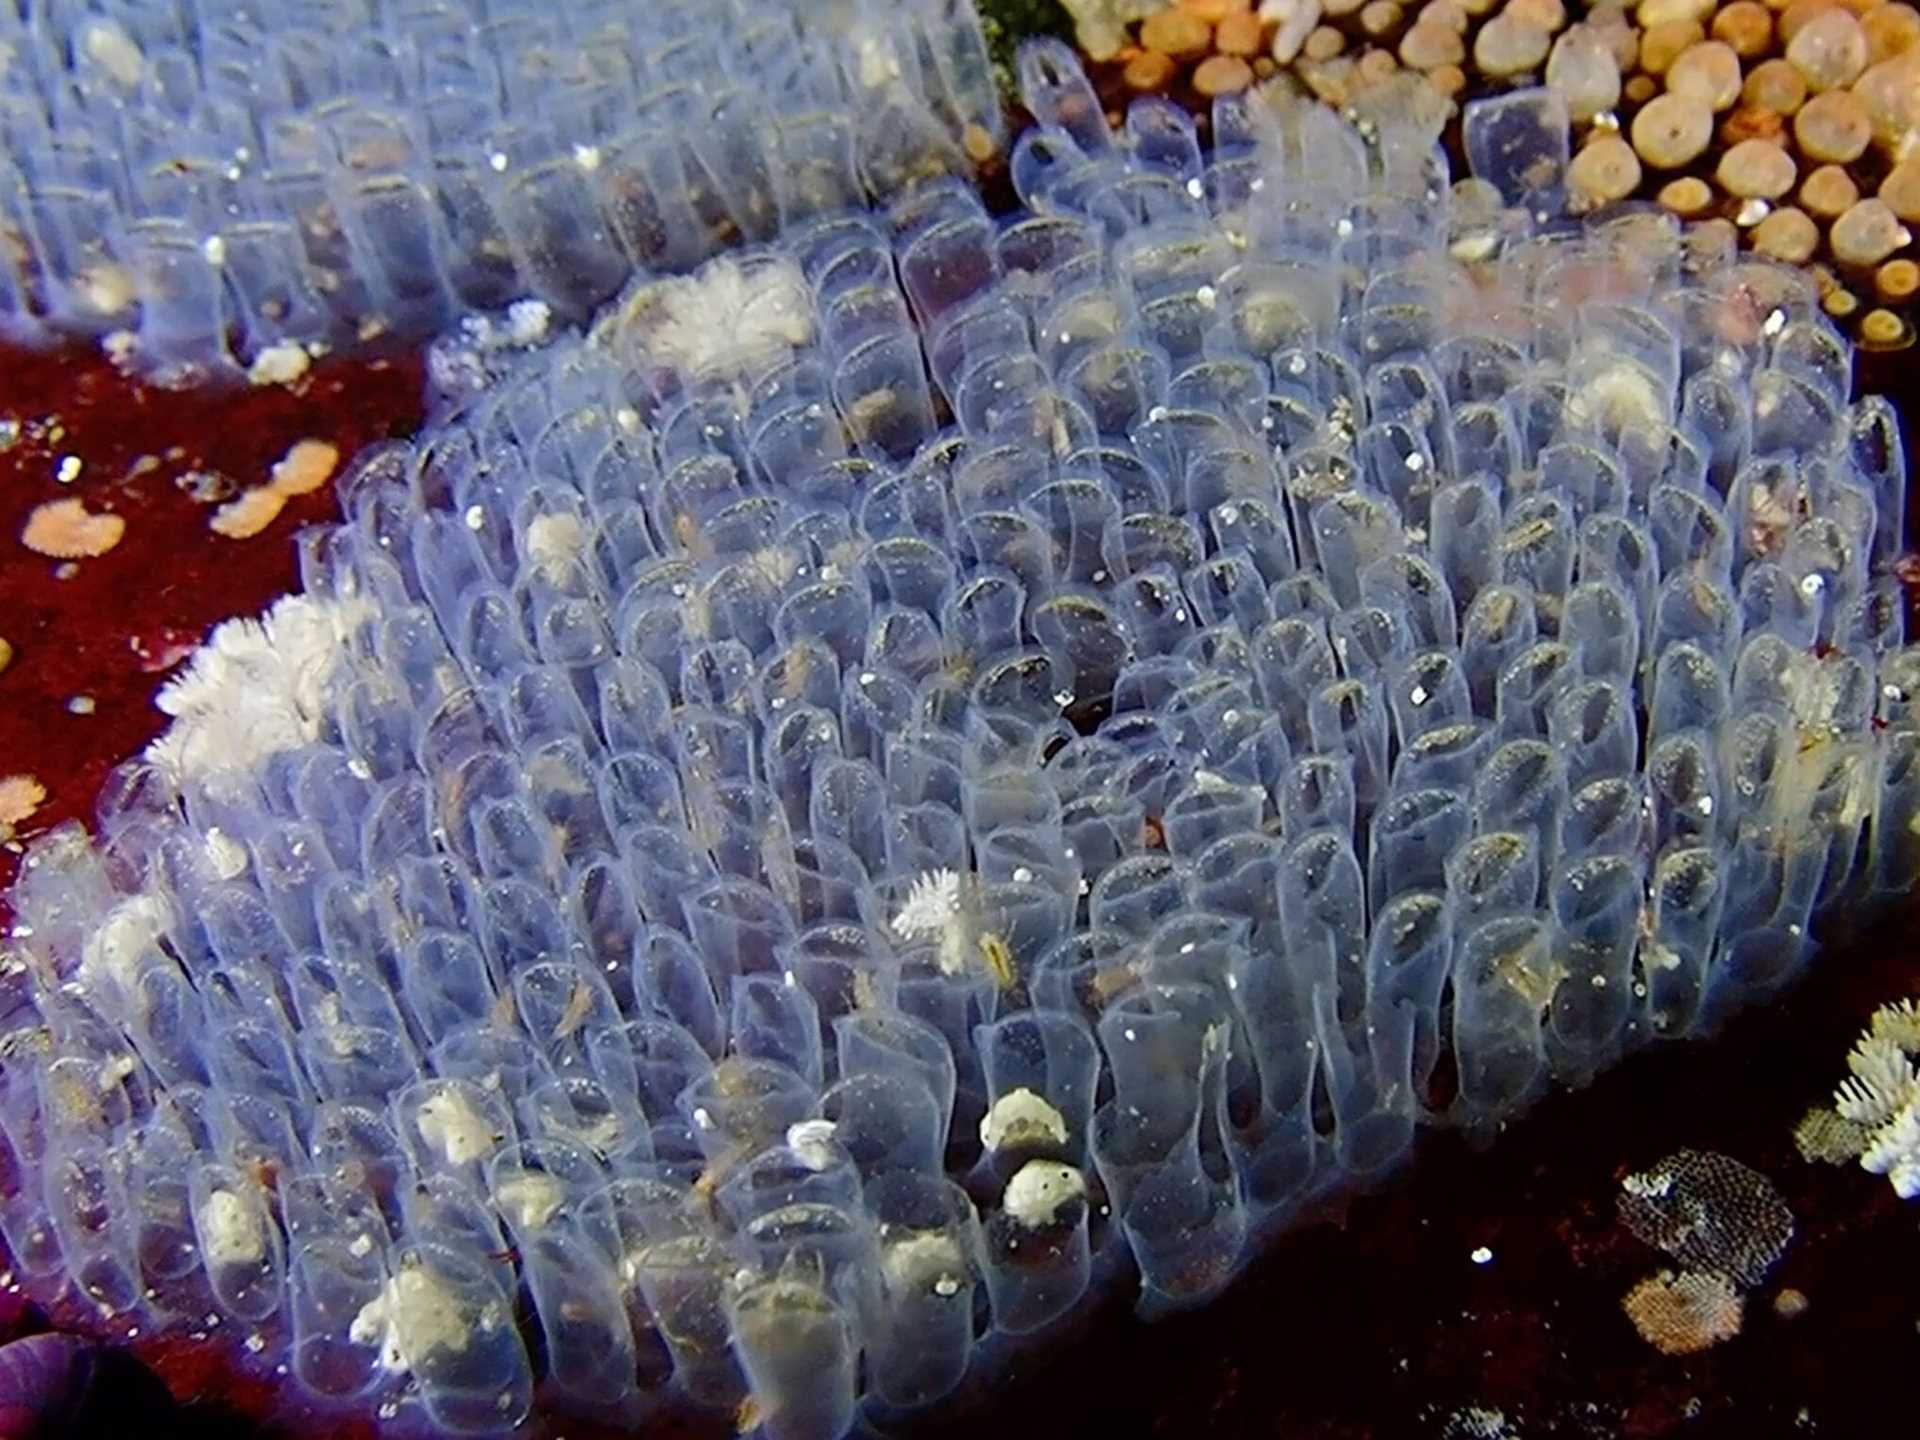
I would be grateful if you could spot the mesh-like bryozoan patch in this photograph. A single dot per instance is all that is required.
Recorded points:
(1709, 1212)
(1685, 1313)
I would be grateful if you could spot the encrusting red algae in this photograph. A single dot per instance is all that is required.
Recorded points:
(113, 626)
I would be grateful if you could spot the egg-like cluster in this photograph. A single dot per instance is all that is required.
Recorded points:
(215, 178)
(949, 760)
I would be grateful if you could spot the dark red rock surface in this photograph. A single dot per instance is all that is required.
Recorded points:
(111, 628)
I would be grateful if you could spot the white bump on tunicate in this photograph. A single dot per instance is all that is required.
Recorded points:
(1021, 1118)
(1036, 1193)
(230, 1232)
(554, 542)
(113, 949)
(927, 1260)
(114, 51)
(413, 1316)
(812, 1143)
(1620, 397)
(454, 1126)
(226, 855)
(528, 1199)
(528, 322)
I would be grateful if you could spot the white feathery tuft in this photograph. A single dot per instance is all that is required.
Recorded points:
(1883, 1080)
(255, 688)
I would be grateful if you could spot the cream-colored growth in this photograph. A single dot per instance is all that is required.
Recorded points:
(307, 465)
(114, 949)
(812, 1142)
(528, 1199)
(20, 796)
(412, 1317)
(727, 321)
(1021, 1118)
(456, 1127)
(554, 542)
(230, 1232)
(924, 1260)
(280, 364)
(1036, 1193)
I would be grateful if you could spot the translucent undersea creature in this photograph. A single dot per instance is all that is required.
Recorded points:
(1012, 782)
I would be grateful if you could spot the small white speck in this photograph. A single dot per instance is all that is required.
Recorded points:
(69, 469)
(215, 249)
(81, 705)
(1481, 1256)
(476, 517)
(498, 161)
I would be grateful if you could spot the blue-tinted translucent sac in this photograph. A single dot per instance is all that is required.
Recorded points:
(218, 179)
(845, 808)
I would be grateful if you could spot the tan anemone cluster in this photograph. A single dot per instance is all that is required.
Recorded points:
(1796, 125)
(1792, 124)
